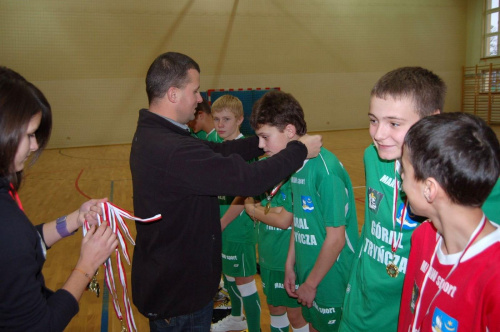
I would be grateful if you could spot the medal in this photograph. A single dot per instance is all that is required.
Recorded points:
(268, 207)
(94, 285)
(392, 270)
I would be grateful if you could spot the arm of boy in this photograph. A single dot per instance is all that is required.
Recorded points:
(334, 242)
(276, 216)
(290, 275)
(233, 211)
(74, 221)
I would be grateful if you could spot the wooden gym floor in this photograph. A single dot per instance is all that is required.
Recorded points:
(61, 180)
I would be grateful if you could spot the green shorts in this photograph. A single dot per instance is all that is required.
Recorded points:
(239, 259)
(323, 318)
(273, 286)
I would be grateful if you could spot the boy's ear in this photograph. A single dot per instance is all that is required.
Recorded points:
(436, 111)
(290, 131)
(431, 187)
(240, 121)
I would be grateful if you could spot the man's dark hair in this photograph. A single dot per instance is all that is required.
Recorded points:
(168, 70)
(460, 151)
(278, 109)
(426, 89)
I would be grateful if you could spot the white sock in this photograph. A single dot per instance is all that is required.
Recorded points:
(304, 328)
(280, 321)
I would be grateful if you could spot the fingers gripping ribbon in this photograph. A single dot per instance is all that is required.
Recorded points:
(114, 215)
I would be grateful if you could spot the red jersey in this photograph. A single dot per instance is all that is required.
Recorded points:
(469, 299)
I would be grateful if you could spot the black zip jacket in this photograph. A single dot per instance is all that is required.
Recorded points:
(25, 303)
(176, 266)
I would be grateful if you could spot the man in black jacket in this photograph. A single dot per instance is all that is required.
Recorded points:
(177, 261)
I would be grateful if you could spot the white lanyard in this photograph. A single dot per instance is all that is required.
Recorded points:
(114, 215)
(391, 268)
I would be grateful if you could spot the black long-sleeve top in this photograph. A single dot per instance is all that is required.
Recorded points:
(25, 303)
(177, 261)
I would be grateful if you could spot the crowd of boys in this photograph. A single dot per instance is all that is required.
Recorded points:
(429, 177)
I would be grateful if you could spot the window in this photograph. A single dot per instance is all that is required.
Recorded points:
(490, 81)
(491, 32)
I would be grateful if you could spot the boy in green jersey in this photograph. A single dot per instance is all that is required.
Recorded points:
(274, 231)
(324, 234)
(398, 100)
(239, 261)
(203, 124)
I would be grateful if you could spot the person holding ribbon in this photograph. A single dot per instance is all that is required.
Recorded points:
(450, 164)
(25, 303)
(176, 266)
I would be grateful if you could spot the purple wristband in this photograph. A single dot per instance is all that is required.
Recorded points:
(61, 227)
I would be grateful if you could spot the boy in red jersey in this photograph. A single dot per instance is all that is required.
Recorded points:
(450, 164)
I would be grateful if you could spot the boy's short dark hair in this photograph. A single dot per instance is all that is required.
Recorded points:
(278, 109)
(460, 151)
(168, 70)
(423, 86)
(204, 106)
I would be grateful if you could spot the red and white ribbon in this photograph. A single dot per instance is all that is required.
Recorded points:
(115, 216)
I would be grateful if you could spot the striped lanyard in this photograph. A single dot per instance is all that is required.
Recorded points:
(15, 196)
(114, 216)
(395, 245)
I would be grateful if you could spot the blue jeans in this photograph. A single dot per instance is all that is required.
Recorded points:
(198, 321)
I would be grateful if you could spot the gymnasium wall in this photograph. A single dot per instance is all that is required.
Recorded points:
(90, 57)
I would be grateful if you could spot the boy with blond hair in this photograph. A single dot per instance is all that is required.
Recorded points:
(239, 260)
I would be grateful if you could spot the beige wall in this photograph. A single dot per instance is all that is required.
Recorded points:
(90, 57)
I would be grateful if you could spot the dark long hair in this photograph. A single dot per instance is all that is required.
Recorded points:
(20, 100)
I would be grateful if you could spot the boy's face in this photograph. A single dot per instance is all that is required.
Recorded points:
(271, 139)
(226, 124)
(414, 189)
(390, 119)
(197, 122)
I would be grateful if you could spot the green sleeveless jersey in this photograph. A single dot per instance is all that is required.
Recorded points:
(214, 137)
(273, 242)
(242, 229)
(323, 197)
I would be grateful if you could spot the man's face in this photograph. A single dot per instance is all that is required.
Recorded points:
(271, 139)
(226, 124)
(189, 97)
(390, 120)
